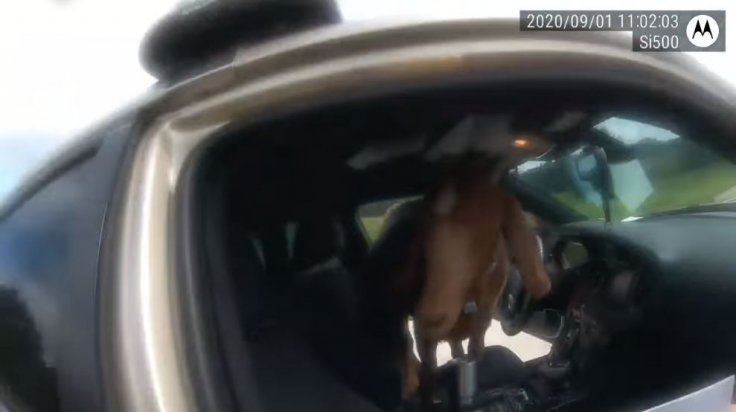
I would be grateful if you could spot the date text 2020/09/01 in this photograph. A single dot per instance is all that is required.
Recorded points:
(597, 21)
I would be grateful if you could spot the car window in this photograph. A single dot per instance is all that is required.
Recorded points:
(373, 215)
(652, 169)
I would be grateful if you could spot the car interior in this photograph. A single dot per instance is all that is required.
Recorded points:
(291, 269)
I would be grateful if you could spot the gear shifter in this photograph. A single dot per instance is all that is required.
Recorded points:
(465, 385)
(465, 395)
(467, 382)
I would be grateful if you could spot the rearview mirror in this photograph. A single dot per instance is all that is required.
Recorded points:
(585, 167)
(591, 166)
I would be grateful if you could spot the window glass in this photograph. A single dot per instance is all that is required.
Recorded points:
(652, 170)
(373, 215)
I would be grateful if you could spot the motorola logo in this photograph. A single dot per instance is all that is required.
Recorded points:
(702, 30)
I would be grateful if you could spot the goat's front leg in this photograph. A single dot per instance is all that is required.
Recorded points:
(475, 346)
(456, 349)
(476, 342)
(523, 250)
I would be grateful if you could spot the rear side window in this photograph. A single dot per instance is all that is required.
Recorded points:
(373, 215)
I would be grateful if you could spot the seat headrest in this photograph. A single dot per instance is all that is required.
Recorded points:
(392, 244)
(316, 241)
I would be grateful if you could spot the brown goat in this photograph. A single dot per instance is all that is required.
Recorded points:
(459, 257)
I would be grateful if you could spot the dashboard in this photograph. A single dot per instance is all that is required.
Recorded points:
(599, 291)
(645, 304)
(638, 314)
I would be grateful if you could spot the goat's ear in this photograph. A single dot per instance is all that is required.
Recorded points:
(445, 201)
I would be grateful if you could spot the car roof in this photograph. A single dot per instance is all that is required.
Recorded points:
(346, 40)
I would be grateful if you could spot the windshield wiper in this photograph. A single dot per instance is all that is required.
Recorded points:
(729, 206)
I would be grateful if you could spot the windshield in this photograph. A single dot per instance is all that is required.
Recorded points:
(652, 169)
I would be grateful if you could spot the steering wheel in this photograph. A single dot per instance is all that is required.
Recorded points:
(515, 307)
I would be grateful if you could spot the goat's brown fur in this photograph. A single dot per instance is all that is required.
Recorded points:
(470, 230)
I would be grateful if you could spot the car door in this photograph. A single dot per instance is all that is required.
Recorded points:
(50, 232)
(154, 360)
